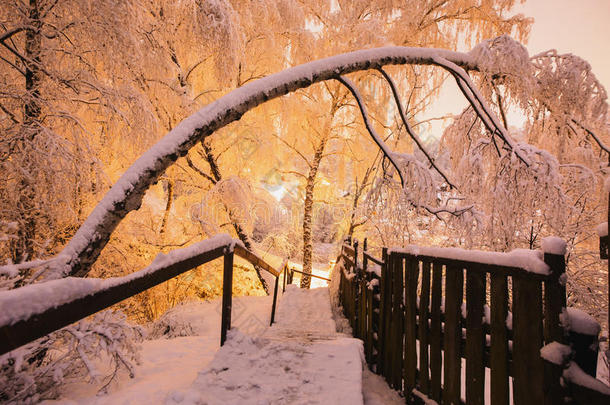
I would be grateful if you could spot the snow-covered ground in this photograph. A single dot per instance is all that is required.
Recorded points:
(300, 359)
(172, 364)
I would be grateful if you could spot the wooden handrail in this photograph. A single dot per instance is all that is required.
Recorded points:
(38, 324)
(310, 275)
(255, 260)
(372, 258)
(88, 296)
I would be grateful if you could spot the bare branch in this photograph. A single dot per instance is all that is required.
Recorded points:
(409, 129)
(298, 152)
(7, 34)
(592, 134)
(386, 151)
(198, 170)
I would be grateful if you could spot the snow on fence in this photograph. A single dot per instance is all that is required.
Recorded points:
(503, 315)
(35, 310)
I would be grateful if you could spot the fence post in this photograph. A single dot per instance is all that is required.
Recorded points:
(284, 281)
(227, 294)
(363, 297)
(554, 306)
(274, 300)
(355, 256)
(383, 315)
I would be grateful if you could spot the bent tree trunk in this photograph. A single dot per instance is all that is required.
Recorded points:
(127, 193)
(308, 214)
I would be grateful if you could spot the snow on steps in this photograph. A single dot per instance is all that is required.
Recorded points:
(299, 360)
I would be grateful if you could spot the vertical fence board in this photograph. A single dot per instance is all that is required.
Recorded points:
(410, 347)
(382, 316)
(227, 296)
(375, 321)
(528, 370)
(475, 337)
(362, 309)
(423, 329)
(435, 332)
(554, 304)
(454, 286)
(387, 337)
(369, 318)
(397, 322)
(499, 340)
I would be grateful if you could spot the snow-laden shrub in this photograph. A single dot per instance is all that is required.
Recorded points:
(281, 244)
(171, 325)
(95, 349)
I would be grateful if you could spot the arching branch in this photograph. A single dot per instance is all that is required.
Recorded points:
(365, 117)
(127, 193)
(408, 126)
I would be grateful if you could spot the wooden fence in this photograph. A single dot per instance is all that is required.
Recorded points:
(24, 325)
(440, 328)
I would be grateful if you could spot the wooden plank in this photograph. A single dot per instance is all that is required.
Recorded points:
(528, 368)
(397, 324)
(499, 340)
(475, 338)
(361, 320)
(369, 319)
(554, 305)
(383, 308)
(435, 332)
(387, 299)
(372, 259)
(423, 328)
(375, 322)
(410, 328)
(349, 251)
(454, 286)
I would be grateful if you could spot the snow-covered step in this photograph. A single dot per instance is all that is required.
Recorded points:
(299, 360)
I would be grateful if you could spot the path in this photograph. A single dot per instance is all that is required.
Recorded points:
(299, 360)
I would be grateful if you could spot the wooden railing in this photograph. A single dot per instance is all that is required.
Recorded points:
(33, 311)
(289, 276)
(425, 317)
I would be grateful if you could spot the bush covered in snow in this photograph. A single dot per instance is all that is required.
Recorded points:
(97, 349)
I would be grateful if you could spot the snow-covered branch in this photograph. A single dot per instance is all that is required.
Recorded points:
(126, 195)
(477, 101)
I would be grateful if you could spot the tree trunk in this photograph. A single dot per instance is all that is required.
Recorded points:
(23, 247)
(239, 230)
(308, 214)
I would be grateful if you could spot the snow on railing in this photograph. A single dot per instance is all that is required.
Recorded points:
(530, 260)
(35, 310)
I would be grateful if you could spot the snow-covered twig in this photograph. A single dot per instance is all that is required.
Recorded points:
(478, 103)
(599, 142)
